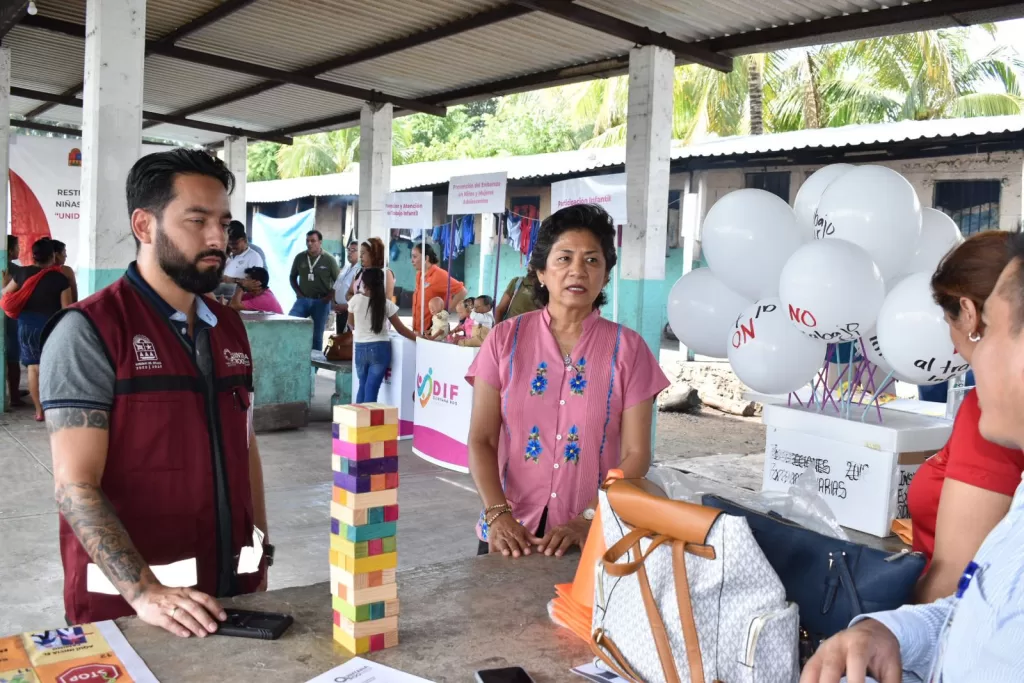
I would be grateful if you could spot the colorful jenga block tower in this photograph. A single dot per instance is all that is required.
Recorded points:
(364, 516)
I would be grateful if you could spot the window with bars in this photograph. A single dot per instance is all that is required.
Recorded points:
(972, 204)
(776, 182)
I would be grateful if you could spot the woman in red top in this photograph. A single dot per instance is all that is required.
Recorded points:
(961, 493)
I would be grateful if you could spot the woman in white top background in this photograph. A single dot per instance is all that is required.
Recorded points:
(368, 313)
(371, 255)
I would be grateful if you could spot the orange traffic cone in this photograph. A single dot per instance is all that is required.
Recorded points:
(574, 605)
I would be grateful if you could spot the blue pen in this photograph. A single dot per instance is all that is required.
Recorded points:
(965, 579)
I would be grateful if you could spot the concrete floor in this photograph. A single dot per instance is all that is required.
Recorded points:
(438, 511)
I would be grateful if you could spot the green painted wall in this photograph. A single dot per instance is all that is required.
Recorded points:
(280, 359)
(92, 280)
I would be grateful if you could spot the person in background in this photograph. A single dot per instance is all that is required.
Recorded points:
(243, 256)
(313, 275)
(482, 307)
(465, 327)
(146, 388)
(368, 312)
(517, 299)
(343, 283)
(560, 397)
(436, 283)
(253, 293)
(976, 634)
(44, 290)
(60, 258)
(958, 495)
(12, 347)
(439, 327)
(371, 255)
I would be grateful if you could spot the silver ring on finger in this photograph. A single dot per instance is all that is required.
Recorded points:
(174, 610)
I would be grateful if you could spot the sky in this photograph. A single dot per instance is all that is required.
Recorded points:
(1008, 33)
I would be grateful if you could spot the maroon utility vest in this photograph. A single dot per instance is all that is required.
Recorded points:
(159, 474)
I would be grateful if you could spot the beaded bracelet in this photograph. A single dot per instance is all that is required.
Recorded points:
(506, 510)
(499, 506)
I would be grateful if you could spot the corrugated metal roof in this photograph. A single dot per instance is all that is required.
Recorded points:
(292, 34)
(611, 159)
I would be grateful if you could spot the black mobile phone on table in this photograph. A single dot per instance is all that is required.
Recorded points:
(513, 674)
(260, 625)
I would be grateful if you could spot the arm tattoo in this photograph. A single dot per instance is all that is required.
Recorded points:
(101, 533)
(70, 418)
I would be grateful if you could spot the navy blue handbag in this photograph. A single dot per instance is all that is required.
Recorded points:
(832, 581)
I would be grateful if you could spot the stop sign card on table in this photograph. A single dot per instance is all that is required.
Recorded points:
(76, 654)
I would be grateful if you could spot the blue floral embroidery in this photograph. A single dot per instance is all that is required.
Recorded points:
(572, 446)
(533, 447)
(540, 382)
(577, 383)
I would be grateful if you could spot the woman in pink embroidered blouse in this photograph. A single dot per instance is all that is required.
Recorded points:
(561, 396)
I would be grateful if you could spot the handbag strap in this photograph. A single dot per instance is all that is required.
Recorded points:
(847, 580)
(608, 652)
(690, 637)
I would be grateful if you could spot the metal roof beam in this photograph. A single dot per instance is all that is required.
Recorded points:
(238, 66)
(613, 26)
(73, 101)
(860, 25)
(11, 12)
(474, 21)
(222, 10)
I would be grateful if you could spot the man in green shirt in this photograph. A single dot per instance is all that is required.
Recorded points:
(313, 274)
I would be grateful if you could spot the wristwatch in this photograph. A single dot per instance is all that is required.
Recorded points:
(588, 514)
(268, 552)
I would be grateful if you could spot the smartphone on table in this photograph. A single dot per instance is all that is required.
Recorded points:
(512, 674)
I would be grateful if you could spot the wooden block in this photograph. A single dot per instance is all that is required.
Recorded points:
(364, 596)
(361, 646)
(387, 414)
(389, 544)
(344, 515)
(360, 435)
(362, 629)
(354, 549)
(365, 415)
(365, 564)
(391, 513)
(354, 583)
(377, 482)
(354, 484)
(359, 451)
(367, 612)
(391, 480)
(365, 467)
(367, 532)
(375, 547)
(362, 501)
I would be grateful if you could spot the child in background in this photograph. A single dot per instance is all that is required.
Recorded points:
(482, 311)
(439, 328)
(465, 327)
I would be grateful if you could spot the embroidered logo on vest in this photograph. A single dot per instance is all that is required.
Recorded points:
(145, 354)
(236, 359)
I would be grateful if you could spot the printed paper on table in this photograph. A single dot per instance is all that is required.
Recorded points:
(359, 670)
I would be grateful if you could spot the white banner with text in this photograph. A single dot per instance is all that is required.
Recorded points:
(607, 191)
(410, 210)
(484, 193)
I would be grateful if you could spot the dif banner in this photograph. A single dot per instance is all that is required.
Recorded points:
(444, 402)
(45, 191)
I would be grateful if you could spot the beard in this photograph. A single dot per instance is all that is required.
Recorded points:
(186, 273)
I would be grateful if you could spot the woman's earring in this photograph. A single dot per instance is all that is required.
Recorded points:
(974, 337)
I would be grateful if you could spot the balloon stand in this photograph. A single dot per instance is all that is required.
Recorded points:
(855, 382)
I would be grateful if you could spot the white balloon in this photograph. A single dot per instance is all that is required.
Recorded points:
(939, 236)
(810, 194)
(874, 354)
(702, 312)
(832, 290)
(876, 208)
(747, 238)
(913, 334)
(769, 354)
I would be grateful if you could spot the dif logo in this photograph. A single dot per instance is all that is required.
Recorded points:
(428, 388)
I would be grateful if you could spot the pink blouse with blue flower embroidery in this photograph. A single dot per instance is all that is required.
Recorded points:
(561, 418)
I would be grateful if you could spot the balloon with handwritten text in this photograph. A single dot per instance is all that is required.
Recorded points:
(810, 194)
(875, 208)
(769, 354)
(748, 236)
(702, 311)
(913, 335)
(832, 291)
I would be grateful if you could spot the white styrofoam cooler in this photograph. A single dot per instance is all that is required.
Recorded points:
(863, 469)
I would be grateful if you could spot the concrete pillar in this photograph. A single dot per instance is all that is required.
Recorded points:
(5, 134)
(235, 151)
(486, 239)
(648, 145)
(115, 41)
(693, 207)
(374, 169)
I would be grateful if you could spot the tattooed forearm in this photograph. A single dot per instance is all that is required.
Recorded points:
(103, 536)
(70, 418)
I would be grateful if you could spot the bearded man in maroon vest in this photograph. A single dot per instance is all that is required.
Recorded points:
(146, 387)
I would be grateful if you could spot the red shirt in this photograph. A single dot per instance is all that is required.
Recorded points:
(966, 457)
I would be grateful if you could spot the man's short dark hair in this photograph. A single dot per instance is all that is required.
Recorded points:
(42, 251)
(150, 184)
(260, 275)
(318, 234)
(59, 247)
(236, 231)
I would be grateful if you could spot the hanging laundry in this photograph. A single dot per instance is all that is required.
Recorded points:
(534, 232)
(514, 227)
